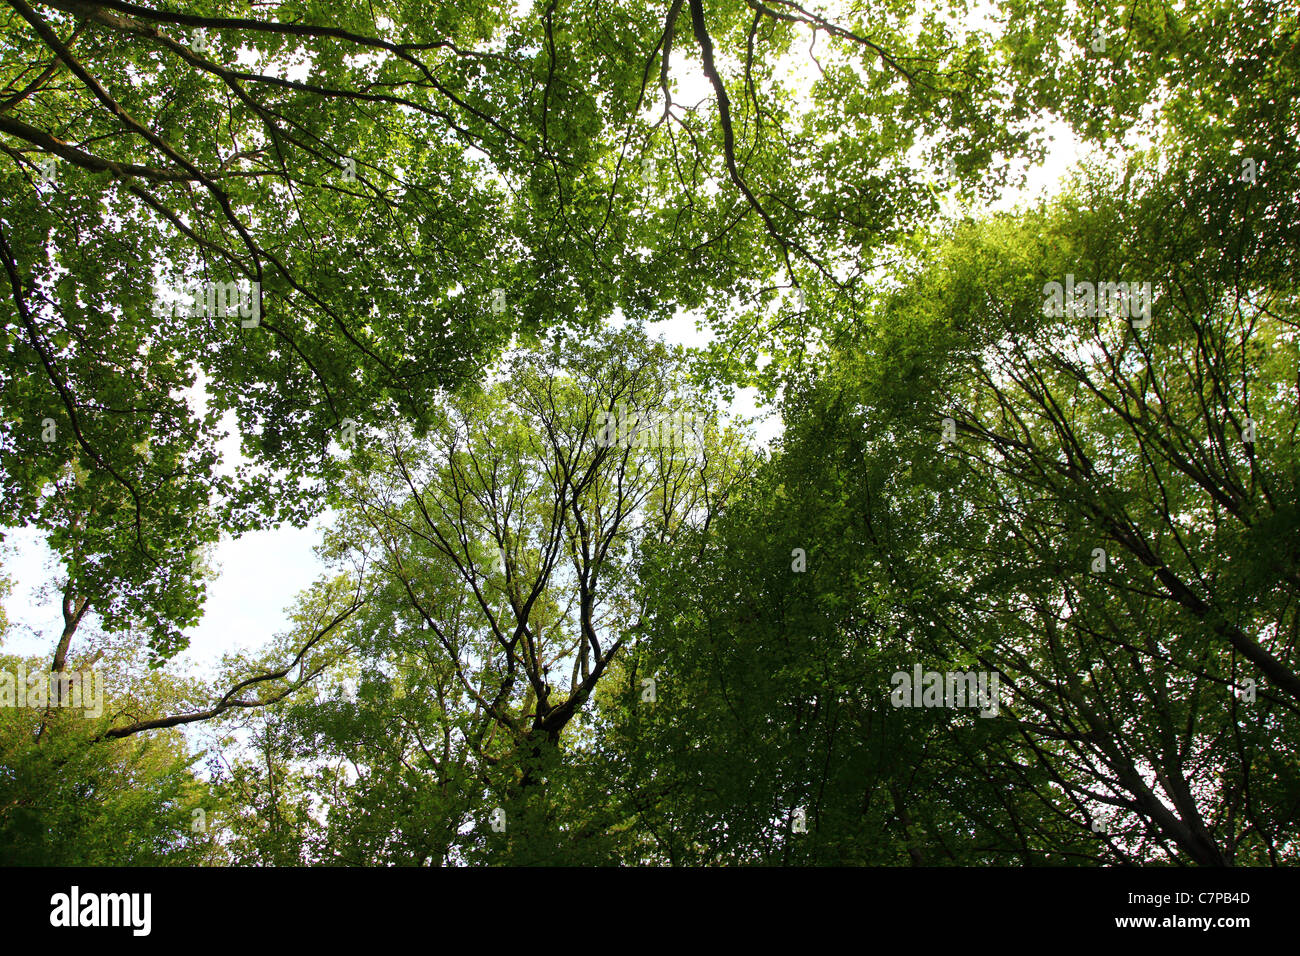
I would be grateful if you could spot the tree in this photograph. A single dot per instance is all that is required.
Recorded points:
(1072, 501)
(64, 802)
(497, 558)
(1055, 445)
(773, 639)
(1079, 499)
(336, 170)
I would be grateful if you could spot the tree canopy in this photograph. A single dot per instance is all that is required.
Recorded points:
(403, 265)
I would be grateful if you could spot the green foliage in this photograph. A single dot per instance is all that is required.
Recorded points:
(67, 799)
(536, 647)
